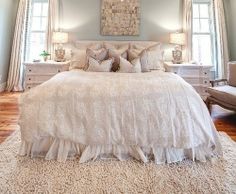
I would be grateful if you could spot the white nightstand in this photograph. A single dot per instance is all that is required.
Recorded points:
(38, 72)
(196, 75)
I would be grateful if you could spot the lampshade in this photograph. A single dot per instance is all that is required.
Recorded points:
(60, 37)
(177, 38)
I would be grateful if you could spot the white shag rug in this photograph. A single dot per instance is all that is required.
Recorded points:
(25, 175)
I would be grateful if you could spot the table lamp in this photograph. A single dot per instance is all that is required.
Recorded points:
(179, 40)
(60, 38)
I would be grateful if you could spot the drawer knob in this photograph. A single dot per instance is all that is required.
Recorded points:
(29, 70)
(205, 82)
(29, 87)
(29, 78)
(59, 71)
(205, 73)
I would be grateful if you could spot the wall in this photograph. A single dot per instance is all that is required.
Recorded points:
(8, 10)
(230, 8)
(158, 18)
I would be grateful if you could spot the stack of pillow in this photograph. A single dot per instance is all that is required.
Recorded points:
(119, 57)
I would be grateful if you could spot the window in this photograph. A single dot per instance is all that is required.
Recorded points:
(36, 31)
(203, 33)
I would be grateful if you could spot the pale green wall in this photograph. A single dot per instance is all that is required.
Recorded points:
(158, 18)
(230, 10)
(8, 10)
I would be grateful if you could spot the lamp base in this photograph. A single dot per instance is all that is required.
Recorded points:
(60, 55)
(177, 56)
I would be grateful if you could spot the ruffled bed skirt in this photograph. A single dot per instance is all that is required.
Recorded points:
(61, 150)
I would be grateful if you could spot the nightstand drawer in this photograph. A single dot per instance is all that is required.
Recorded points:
(43, 69)
(30, 86)
(191, 71)
(37, 78)
(192, 80)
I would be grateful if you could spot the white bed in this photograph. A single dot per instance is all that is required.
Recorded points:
(98, 115)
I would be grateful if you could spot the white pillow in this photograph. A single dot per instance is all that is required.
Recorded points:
(130, 67)
(97, 66)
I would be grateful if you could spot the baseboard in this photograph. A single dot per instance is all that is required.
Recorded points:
(3, 87)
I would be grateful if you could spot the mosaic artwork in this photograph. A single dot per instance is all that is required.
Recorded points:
(120, 17)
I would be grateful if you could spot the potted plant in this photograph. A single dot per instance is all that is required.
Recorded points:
(45, 55)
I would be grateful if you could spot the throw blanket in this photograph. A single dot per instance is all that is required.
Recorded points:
(138, 115)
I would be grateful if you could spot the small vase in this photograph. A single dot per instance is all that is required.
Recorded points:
(45, 58)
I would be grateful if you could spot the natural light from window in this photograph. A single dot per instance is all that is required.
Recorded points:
(36, 35)
(203, 34)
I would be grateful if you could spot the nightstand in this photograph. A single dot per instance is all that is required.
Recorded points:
(38, 72)
(196, 75)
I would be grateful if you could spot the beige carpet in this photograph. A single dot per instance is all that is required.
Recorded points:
(24, 175)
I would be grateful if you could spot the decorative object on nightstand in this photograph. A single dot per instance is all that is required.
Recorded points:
(179, 40)
(60, 38)
(45, 55)
(196, 75)
(38, 72)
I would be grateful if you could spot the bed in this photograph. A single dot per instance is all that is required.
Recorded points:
(95, 115)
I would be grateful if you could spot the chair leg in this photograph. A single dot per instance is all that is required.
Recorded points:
(209, 105)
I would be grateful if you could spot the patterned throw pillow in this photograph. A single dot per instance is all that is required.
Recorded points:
(98, 55)
(130, 67)
(99, 66)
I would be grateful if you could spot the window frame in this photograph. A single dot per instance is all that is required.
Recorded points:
(29, 29)
(212, 30)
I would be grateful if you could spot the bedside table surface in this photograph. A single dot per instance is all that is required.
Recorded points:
(50, 62)
(185, 65)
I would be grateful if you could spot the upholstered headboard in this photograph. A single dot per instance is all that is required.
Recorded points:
(83, 44)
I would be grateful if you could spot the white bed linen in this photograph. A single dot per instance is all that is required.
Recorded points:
(93, 115)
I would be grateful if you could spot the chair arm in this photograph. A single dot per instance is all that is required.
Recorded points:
(216, 82)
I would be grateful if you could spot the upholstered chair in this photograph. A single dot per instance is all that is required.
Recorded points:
(223, 92)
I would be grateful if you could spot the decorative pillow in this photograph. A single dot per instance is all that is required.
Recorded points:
(116, 54)
(99, 66)
(78, 53)
(117, 50)
(78, 59)
(144, 61)
(154, 57)
(99, 55)
(130, 67)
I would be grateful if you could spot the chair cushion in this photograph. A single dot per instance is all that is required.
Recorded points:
(225, 94)
(232, 74)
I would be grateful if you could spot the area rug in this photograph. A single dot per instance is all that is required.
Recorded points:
(24, 175)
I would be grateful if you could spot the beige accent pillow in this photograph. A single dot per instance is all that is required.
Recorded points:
(153, 57)
(99, 55)
(78, 59)
(99, 66)
(136, 49)
(130, 67)
(78, 53)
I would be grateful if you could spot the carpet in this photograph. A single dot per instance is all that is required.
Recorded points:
(25, 175)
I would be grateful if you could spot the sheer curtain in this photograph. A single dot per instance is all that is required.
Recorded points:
(53, 23)
(187, 28)
(15, 74)
(222, 39)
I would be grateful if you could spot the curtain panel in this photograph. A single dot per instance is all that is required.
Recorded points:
(15, 74)
(187, 28)
(222, 39)
(53, 24)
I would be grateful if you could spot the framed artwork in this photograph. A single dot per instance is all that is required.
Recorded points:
(120, 17)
